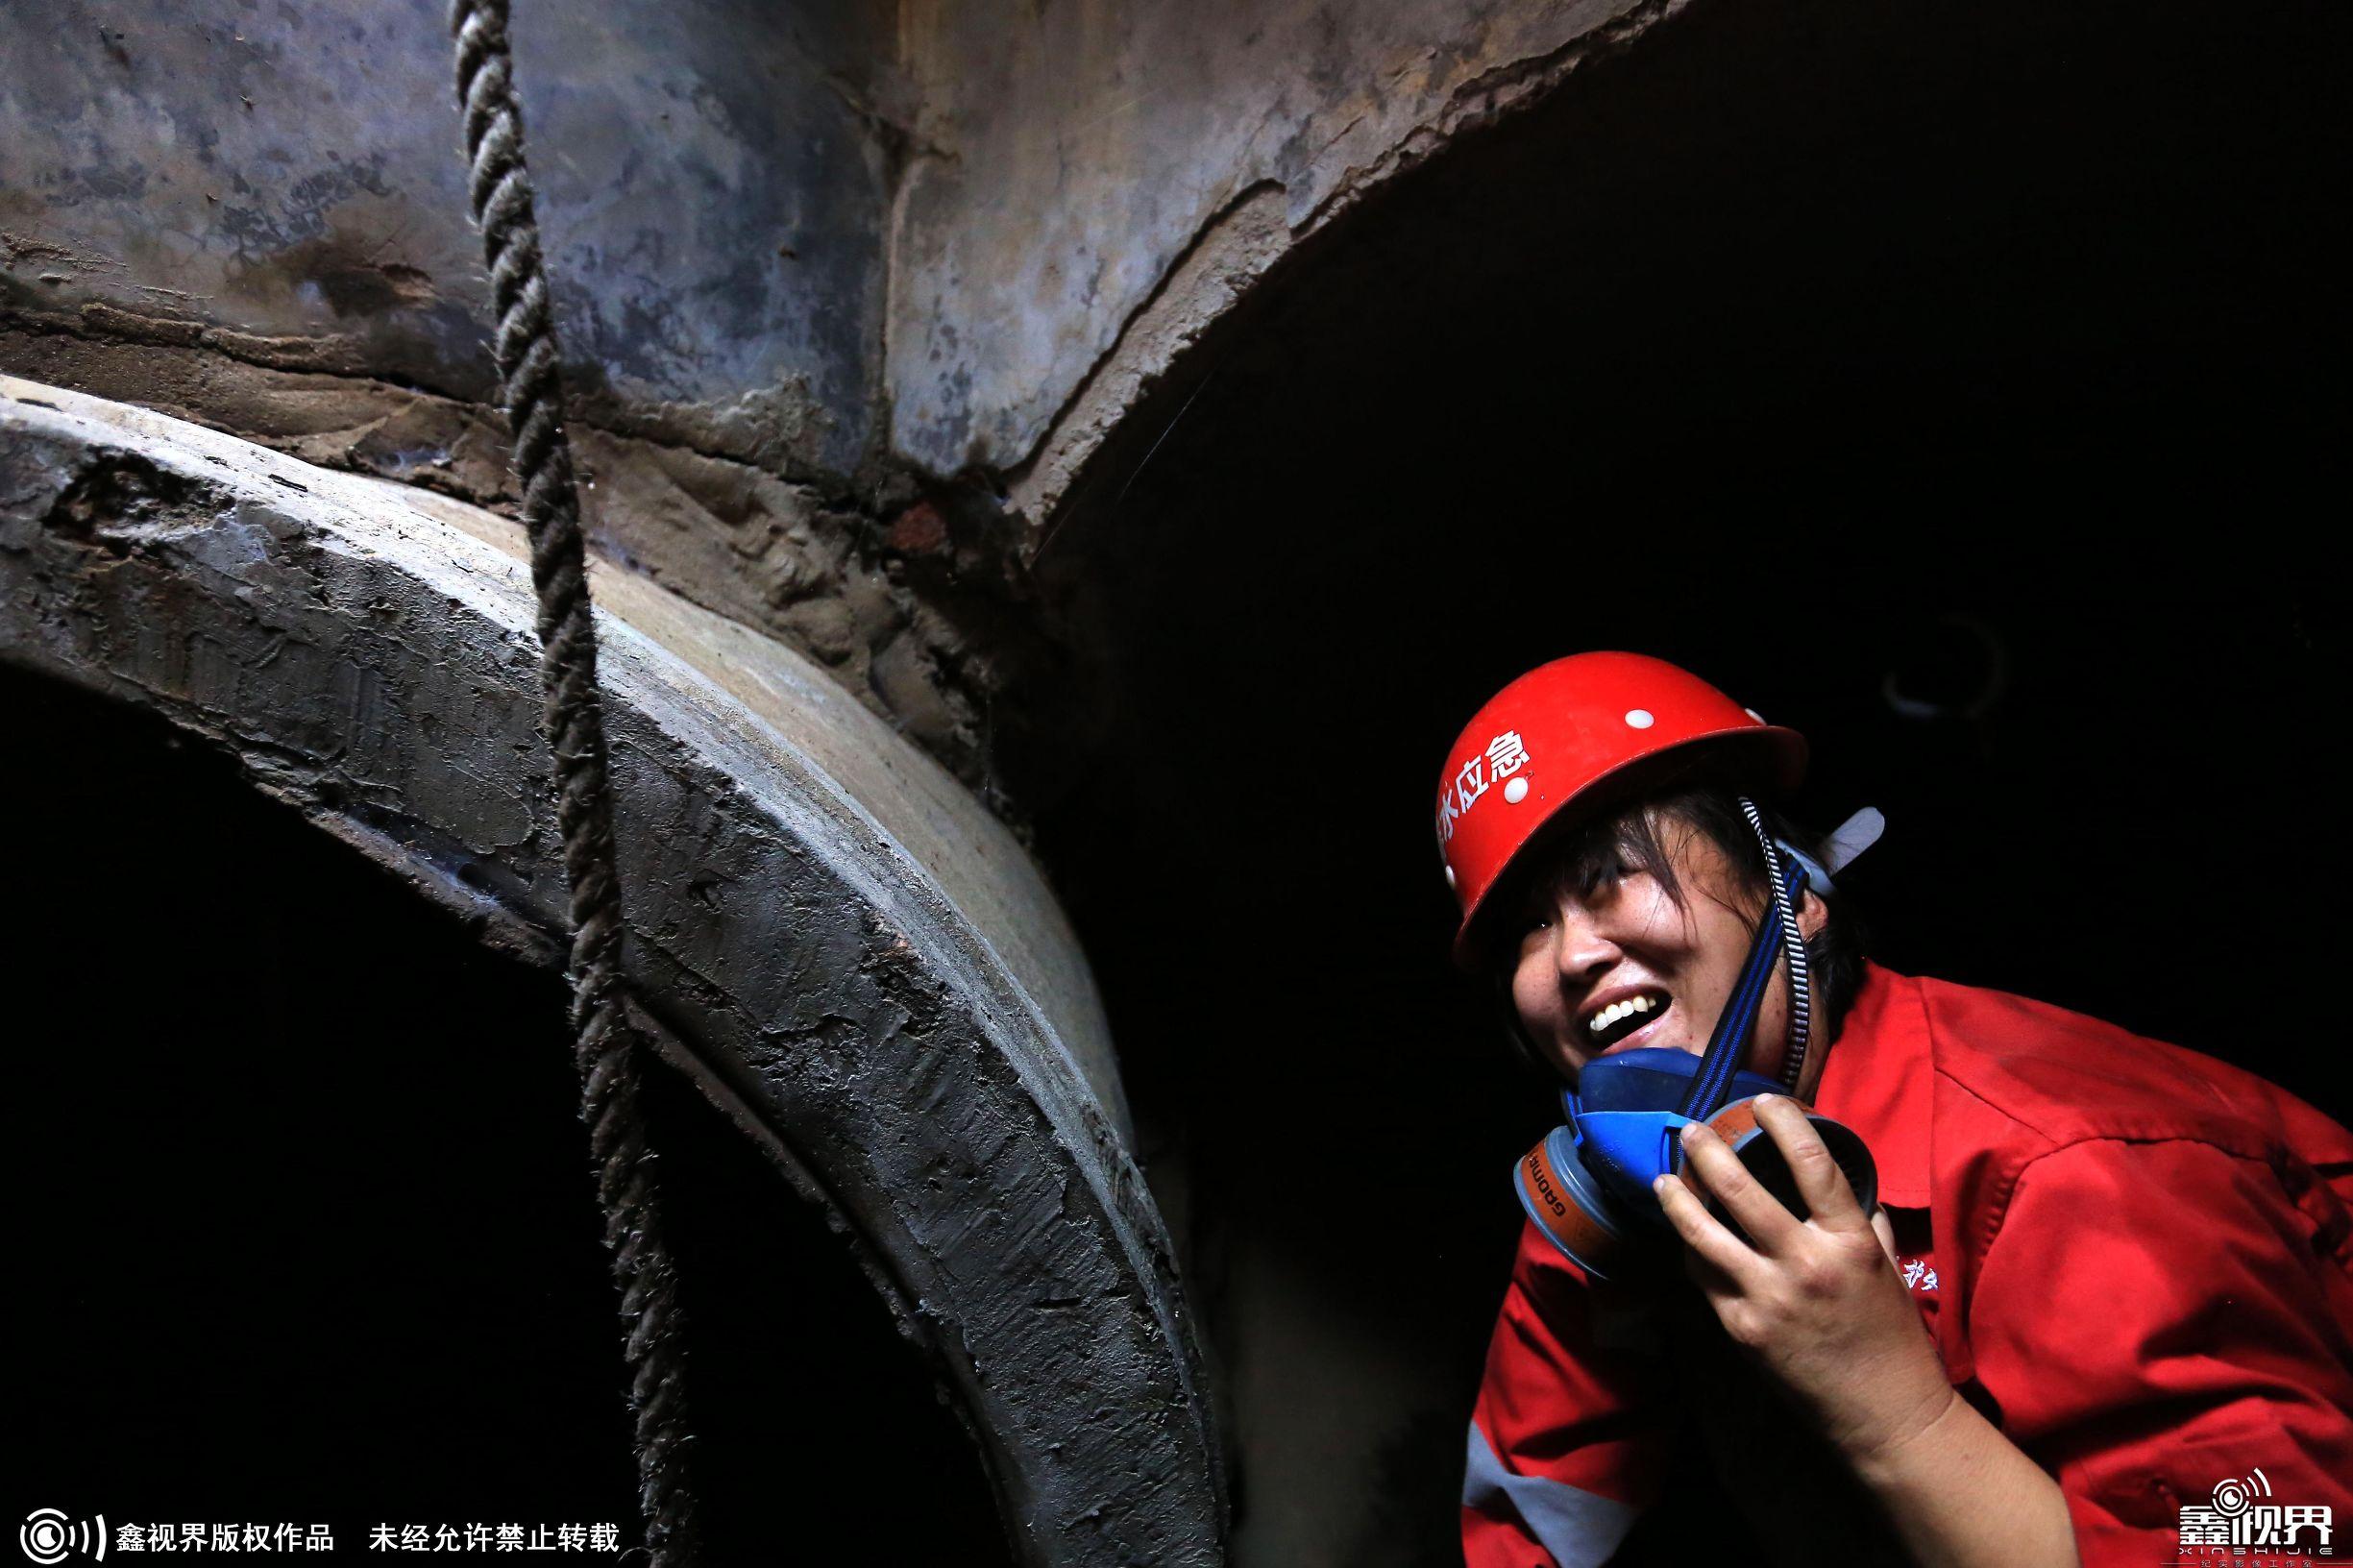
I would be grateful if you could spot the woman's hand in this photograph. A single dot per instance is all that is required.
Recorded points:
(1816, 1301)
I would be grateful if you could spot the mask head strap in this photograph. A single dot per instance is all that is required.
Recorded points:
(1790, 872)
(1728, 1046)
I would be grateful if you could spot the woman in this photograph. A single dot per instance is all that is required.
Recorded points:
(2102, 1312)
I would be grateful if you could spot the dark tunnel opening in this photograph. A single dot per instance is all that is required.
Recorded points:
(1959, 384)
(315, 1229)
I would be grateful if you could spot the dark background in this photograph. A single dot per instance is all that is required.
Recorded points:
(306, 1231)
(1989, 356)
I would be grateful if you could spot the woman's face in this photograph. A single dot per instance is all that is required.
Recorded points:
(1620, 966)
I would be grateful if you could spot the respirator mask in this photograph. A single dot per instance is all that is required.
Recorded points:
(1588, 1185)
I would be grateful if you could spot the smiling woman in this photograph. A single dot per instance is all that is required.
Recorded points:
(1936, 1401)
(1660, 879)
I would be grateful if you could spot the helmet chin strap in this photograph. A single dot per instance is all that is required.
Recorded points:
(1778, 939)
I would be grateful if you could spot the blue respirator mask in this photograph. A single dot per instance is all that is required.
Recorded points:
(1587, 1185)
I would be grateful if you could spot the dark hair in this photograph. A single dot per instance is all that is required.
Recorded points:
(1634, 840)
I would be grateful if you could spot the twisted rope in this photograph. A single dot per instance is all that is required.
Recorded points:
(532, 391)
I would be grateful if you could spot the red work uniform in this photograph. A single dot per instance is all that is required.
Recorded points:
(2136, 1261)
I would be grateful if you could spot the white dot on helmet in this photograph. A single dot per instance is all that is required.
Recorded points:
(1516, 790)
(1754, 714)
(1449, 876)
(1639, 718)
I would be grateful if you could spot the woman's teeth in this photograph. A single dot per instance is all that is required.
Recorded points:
(1630, 1012)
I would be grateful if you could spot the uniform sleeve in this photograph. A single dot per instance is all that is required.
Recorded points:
(2157, 1319)
(1568, 1440)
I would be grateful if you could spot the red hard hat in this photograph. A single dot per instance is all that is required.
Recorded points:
(1572, 736)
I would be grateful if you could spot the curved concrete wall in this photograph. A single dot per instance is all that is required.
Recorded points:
(839, 943)
(1093, 183)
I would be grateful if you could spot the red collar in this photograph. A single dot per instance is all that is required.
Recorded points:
(1878, 1082)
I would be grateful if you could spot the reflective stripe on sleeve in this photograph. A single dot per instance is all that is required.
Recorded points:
(1580, 1529)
